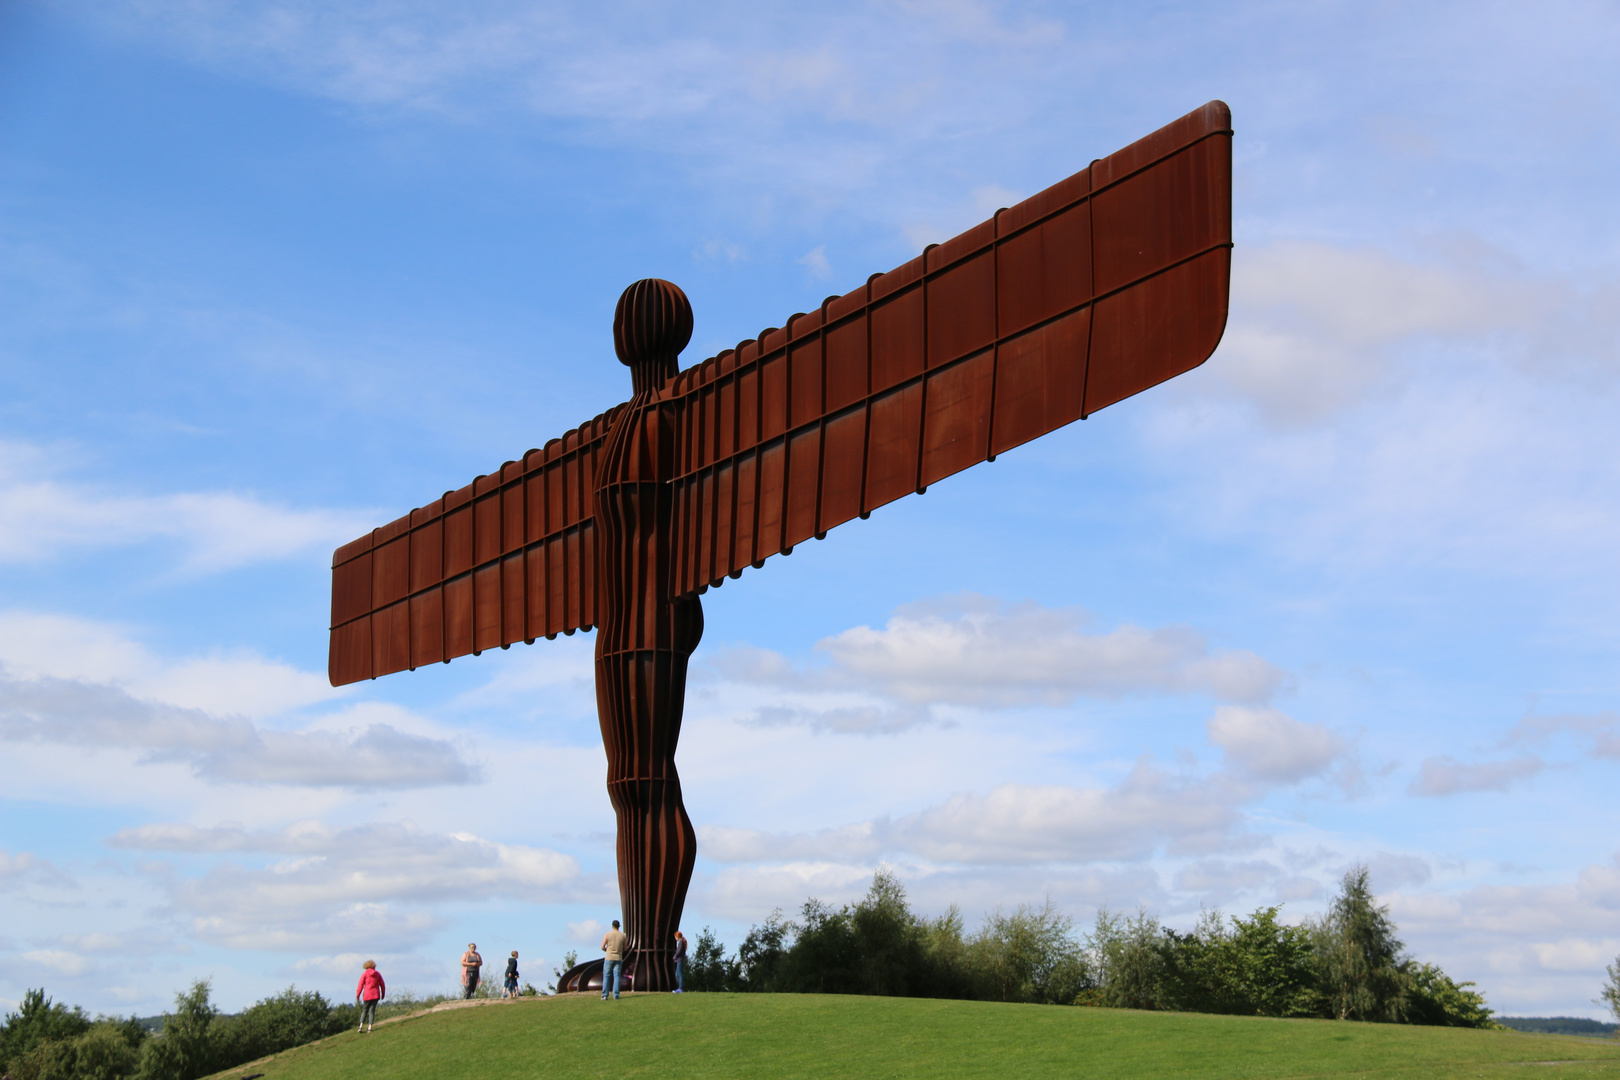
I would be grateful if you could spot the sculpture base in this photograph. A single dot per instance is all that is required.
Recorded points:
(649, 964)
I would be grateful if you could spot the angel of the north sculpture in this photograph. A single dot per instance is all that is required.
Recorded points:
(1103, 285)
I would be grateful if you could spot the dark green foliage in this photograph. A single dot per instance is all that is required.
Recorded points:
(570, 958)
(708, 968)
(1609, 996)
(1432, 998)
(185, 1049)
(1347, 965)
(1030, 955)
(50, 1042)
(1358, 956)
(1558, 1025)
(291, 1018)
(1255, 967)
(107, 1050)
(37, 1021)
(759, 958)
(1130, 956)
(875, 946)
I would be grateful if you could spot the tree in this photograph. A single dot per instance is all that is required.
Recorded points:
(1432, 998)
(759, 958)
(37, 1021)
(1130, 961)
(569, 960)
(709, 969)
(1609, 996)
(1030, 955)
(291, 1018)
(184, 1049)
(1358, 957)
(1257, 966)
(108, 1050)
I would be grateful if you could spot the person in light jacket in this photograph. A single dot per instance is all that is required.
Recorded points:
(371, 990)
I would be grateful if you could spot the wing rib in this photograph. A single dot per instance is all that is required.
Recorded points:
(1103, 285)
(510, 557)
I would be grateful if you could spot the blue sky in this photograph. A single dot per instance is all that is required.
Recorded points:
(272, 274)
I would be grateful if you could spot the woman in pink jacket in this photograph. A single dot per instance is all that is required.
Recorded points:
(370, 991)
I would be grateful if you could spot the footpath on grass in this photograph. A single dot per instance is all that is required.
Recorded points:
(791, 1036)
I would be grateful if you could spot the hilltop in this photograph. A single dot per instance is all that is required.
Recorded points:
(761, 1036)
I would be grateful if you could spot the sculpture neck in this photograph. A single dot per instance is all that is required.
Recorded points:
(650, 375)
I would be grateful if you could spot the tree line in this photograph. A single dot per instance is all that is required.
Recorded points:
(45, 1040)
(1349, 964)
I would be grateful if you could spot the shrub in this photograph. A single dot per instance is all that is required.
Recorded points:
(37, 1021)
(1358, 957)
(1432, 998)
(184, 1049)
(107, 1050)
(1030, 955)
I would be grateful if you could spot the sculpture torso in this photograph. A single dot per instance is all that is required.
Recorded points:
(644, 639)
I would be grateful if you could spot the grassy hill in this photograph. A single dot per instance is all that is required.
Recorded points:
(767, 1036)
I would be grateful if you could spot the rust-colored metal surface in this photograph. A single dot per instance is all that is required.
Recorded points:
(1103, 285)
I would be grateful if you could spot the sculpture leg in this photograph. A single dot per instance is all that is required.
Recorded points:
(640, 697)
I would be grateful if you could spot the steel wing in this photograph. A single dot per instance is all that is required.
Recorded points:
(1103, 285)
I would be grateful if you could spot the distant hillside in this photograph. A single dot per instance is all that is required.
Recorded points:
(1557, 1025)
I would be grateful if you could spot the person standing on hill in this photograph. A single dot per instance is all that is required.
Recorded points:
(680, 963)
(512, 975)
(470, 963)
(371, 990)
(614, 942)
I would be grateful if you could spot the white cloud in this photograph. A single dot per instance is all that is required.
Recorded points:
(1389, 870)
(1600, 731)
(56, 961)
(975, 651)
(1445, 775)
(25, 866)
(41, 518)
(1148, 811)
(224, 749)
(849, 720)
(589, 932)
(1265, 744)
(1315, 326)
(815, 261)
(371, 885)
(1529, 946)
(1226, 876)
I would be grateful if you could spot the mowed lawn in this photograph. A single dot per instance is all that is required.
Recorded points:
(786, 1035)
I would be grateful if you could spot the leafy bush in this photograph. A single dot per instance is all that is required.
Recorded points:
(1256, 967)
(107, 1050)
(291, 1018)
(1030, 955)
(1432, 998)
(1609, 995)
(1349, 964)
(185, 1048)
(39, 1020)
(1358, 956)
(709, 969)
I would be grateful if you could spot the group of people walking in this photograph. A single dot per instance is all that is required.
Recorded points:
(472, 964)
(371, 990)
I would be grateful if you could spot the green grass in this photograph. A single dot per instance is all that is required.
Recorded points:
(791, 1036)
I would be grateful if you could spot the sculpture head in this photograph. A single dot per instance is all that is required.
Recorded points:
(651, 326)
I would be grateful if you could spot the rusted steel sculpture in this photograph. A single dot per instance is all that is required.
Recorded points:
(1103, 285)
